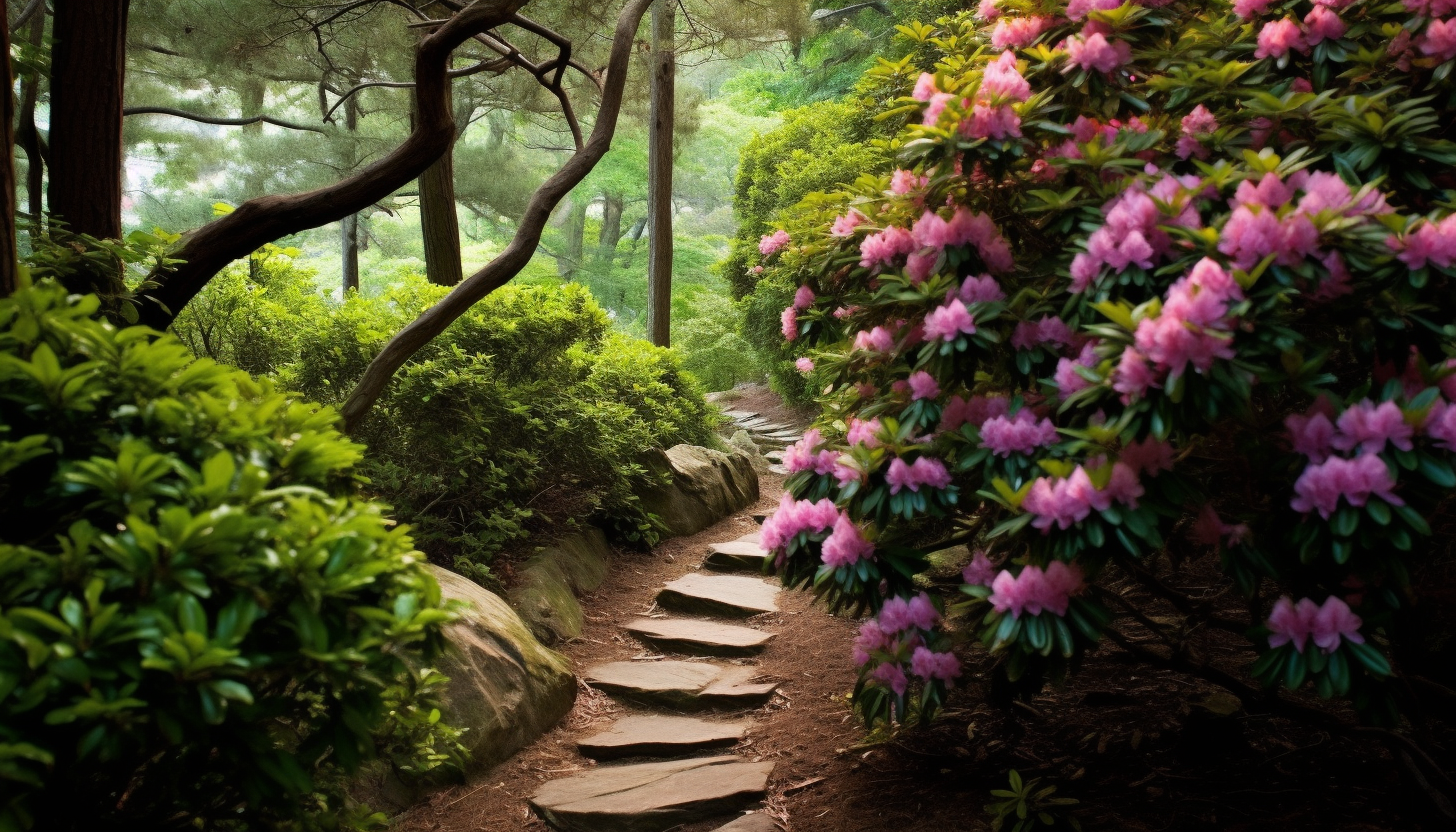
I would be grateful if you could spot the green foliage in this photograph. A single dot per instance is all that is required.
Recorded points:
(202, 625)
(707, 333)
(1029, 807)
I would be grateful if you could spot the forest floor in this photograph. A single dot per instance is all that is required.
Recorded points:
(1140, 748)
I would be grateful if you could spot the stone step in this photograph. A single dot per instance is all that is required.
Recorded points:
(651, 797)
(659, 735)
(699, 638)
(756, 822)
(727, 595)
(737, 415)
(755, 422)
(756, 537)
(736, 556)
(778, 469)
(683, 685)
(774, 456)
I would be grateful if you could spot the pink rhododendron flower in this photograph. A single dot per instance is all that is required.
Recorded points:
(1036, 589)
(1249, 9)
(1326, 624)
(879, 249)
(1062, 503)
(871, 639)
(1430, 8)
(1433, 243)
(949, 322)
(921, 265)
(1199, 122)
(1019, 32)
(923, 385)
(1094, 51)
(980, 571)
(1068, 380)
(1191, 329)
(1124, 486)
(981, 289)
(794, 517)
(1149, 456)
(846, 545)
(928, 665)
(805, 455)
(925, 87)
(1439, 41)
(1336, 284)
(1002, 80)
(1132, 234)
(931, 231)
(803, 298)
(1187, 147)
(1322, 24)
(974, 411)
(846, 471)
(1134, 376)
(891, 676)
(878, 339)
(1322, 484)
(1279, 37)
(1210, 529)
(790, 321)
(987, 10)
(844, 226)
(805, 365)
(1051, 331)
(1078, 9)
(1368, 426)
(923, 471)
(863, 433)
(1312, 434)
(935, 108)
(988, 122)
(773, 242)
(903, 182)
(1022, 433)
(901, 614)
(1441, 425)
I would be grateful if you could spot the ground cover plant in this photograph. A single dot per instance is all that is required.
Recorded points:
(1151, 289)
(201, 624)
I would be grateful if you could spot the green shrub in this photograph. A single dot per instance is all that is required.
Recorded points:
(707, 332)
(199, 624)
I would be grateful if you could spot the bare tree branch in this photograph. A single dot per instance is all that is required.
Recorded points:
(528, 234)
(207, 250)
(25, 14)
(226, 122)
(497, 65)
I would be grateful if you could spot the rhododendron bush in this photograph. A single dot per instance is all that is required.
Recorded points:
(1151, 286)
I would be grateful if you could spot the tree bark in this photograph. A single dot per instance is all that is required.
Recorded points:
(209, 249)
(88, 70)
(9, 261)
(518, 253)
(659, 175)
(439, 222)
(26, 135)
(349, 247)
(568, 262)
(611, 232)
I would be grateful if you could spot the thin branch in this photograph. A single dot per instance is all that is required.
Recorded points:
(495, 65)
(518, 253)
(25, 14)
(225, 122)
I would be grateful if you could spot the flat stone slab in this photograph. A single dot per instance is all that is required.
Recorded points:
(728, 595)
(740, 414)
(700, 638)
(683, 685)
(756, 822)
(651, 797)
(756, 538)
(736, 555)
(658, 735)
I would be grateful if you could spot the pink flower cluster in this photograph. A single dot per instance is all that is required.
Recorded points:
(793, 517)
(929, 665)
(900, 614)
(922, 385)
(805, 455)
(844, 226)
(1439, 40)
(1063, 502)
(1196, 126)
(903, 182)
(1019, 32)
(1322, 484)
(789, 319)
(912, 476)
(980, 571)
(934, 233)
(1210, 529)
(1150, 456)
(1279, 37)
(1326, 624)
(883, 247)
(1067, 378)
(1036, 589)
(878, 339)
(949, 321)
(973, 411)
(1022, 433)
(1078, 9)
(992, 116)
(1441, 426)
(980, 289)
(846, 544)
(1132, 236)
(773, 242)
(1364, 426)
(1050, 331)
(1092, 50)
(803, 298)
(1431, 243)
(804, 365)
(1193, 327)
(863, 432)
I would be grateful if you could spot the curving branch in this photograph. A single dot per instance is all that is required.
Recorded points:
(518, 253)
(226, 122)
(26, 13)
(207, 250)
(496, 66)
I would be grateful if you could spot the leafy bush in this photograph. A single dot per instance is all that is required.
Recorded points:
(199, 624)
(707, 334)
(1152, 288)
(470, 442)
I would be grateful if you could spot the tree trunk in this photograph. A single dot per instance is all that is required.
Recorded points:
(659, 175)
(253, 95)
(349, 226)
(88, 70)
(568, 262)
(611, 232)
(439, 222)
(9, 277)
(26, 135)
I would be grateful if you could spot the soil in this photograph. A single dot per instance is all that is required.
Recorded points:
(1140, 748)
(757, 398)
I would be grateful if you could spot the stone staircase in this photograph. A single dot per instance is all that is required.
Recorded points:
(665, 780)
(769, 435)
